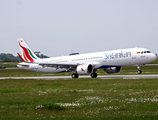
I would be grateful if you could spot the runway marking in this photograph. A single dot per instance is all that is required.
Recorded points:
(100, 76)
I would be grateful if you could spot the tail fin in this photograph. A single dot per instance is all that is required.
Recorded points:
(20, 57)
(26, 52)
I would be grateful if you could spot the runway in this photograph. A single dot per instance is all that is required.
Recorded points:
(87, 76)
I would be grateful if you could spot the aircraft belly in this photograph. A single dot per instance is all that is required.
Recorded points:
(51, 70)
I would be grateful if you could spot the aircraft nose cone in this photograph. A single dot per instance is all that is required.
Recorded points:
(154, 57)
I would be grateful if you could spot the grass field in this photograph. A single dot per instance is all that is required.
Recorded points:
(114, 99)
(79, 99)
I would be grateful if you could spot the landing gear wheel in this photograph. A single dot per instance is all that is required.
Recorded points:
(74, 75)
(93, 75)
(139, 71)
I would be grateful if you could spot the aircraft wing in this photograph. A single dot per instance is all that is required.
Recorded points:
(68, 66)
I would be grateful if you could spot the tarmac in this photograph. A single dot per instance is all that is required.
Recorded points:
(139, 76)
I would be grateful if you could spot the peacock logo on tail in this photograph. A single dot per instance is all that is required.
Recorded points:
(27, 53)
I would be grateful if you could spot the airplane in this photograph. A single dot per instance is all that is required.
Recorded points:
(110, 61)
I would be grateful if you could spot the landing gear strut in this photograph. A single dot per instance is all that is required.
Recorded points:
(74, 75)
(139, 71)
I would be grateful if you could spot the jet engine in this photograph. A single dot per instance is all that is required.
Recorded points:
(112, 69)
(84, 69)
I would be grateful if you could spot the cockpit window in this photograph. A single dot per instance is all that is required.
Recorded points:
(148, 52)
(143, 52)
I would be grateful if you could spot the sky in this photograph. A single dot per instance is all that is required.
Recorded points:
(59, 27)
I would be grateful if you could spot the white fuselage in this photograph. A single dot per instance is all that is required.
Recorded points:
(115, 58)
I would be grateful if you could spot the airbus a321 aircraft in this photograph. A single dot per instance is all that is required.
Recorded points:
(109, 61)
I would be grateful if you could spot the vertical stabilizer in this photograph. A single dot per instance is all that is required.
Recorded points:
(21, 57)
(26, 52)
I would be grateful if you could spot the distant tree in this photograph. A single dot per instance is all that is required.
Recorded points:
(17, 59)
(2, 56)
(9, 57)
(6, 59)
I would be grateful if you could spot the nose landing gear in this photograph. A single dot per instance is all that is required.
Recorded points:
(139, 71)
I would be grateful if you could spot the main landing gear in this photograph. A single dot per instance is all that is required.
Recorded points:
(93, 75)
(139, 71)
(75, 75)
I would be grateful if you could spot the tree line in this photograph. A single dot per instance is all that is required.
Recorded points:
(7, 57)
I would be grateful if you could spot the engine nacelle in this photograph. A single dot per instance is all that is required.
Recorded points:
(112, 69)
(84, 69)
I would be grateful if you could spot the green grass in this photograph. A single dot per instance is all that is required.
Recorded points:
(50, 106)
(79, 99)
(155, 62)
